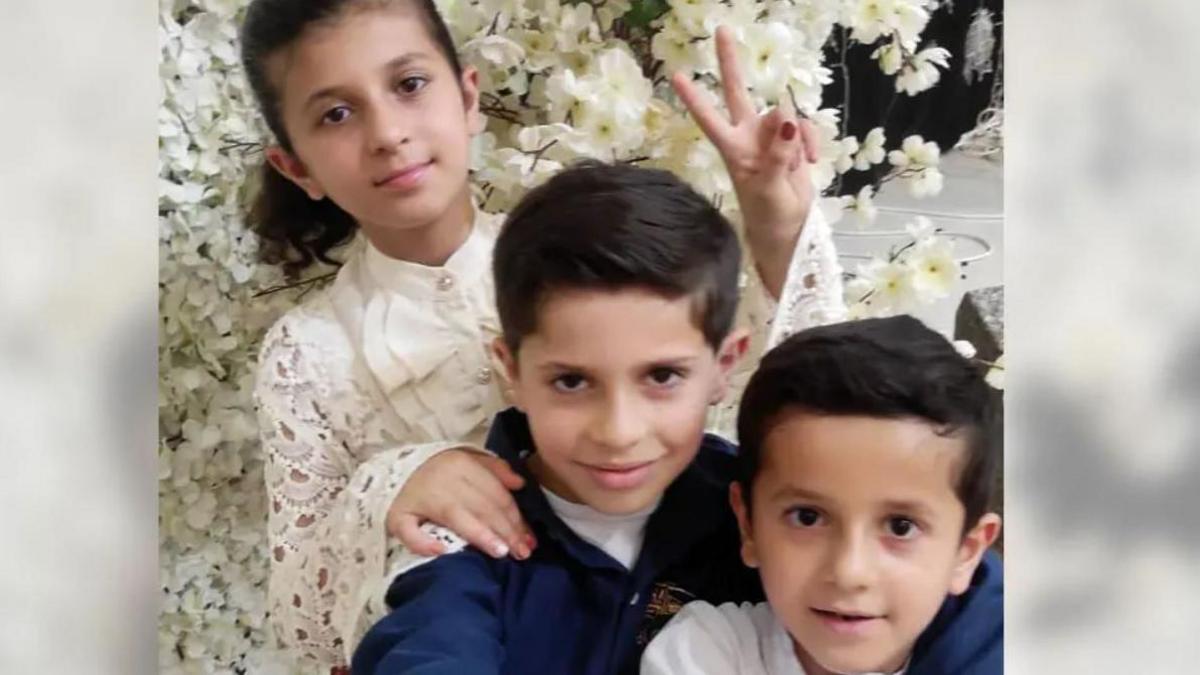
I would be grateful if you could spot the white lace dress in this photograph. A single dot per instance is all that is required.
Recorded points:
(367, 379)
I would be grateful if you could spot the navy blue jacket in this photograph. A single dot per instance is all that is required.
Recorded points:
(570, 608)
(966, 637)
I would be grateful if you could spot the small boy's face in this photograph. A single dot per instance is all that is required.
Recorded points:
(616, 385)
(857, 532)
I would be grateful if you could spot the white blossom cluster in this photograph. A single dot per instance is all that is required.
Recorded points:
(561, 81)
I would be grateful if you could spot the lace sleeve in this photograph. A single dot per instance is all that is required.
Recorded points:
(311, 438)
(811, 296)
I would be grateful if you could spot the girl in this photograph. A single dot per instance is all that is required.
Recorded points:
(366, 381)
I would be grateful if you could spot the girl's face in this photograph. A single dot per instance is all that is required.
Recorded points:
(378, 121)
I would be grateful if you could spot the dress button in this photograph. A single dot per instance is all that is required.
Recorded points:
(483, 375)
(634, 599)
(445, 282)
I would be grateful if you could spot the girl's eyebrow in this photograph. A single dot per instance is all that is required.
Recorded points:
(335, 91)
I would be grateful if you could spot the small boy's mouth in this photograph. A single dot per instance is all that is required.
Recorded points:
(846, 622)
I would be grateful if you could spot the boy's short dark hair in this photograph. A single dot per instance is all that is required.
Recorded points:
(893, 367)
(614, 226)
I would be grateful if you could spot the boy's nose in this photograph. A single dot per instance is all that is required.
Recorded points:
(619, 424)
(852, 562)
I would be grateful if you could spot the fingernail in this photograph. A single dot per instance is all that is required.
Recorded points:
(523, 552)
(788, 131)
(500, 549)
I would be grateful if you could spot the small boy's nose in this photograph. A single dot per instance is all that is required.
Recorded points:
(852, 564)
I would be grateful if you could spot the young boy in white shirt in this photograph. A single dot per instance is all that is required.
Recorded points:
(866, 473)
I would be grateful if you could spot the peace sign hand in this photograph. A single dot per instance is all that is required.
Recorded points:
(768, 158)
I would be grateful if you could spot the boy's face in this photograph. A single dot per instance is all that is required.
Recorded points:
(616, 385)
(857, 533)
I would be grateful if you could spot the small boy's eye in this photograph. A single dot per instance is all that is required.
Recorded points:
(570, 382)
(412, 84)
(336, 115)
(803, 516)
(665, 376)
(902, 528)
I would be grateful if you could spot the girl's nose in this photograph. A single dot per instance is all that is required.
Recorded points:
(388, 130)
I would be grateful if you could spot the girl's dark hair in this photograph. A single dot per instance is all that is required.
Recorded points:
(294, 230)
(610, 227)
(888, 368)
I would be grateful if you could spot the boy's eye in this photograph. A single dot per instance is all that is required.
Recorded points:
(571, 382)
(412, 84)
(803, 516)
(335, 115)
(665, 377)
(902, 528)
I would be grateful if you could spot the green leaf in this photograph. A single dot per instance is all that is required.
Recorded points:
(645, 11)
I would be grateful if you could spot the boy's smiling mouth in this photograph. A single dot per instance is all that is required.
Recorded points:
(619, 476)
(847, 623)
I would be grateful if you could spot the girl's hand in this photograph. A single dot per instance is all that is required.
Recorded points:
(467, 492)
(767, 157)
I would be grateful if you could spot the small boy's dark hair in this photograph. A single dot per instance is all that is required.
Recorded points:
(615, 226)
(894, 367)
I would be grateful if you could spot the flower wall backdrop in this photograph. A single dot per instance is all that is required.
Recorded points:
(561, 80)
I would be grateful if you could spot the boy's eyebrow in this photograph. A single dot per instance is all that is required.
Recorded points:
(657, 363)
(896, 505)
(395, 64)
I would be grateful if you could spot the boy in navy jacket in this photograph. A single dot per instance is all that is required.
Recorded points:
(616, 289)
(864, 497)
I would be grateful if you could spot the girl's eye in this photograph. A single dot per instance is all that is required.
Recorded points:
(413, 84)
(335, 115)
(902, 528)
(569, 383)
(803, 516)
(665, 377)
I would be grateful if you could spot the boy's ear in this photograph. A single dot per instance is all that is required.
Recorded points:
(294, 170)
(469, 84)
(974, 544)
(733, 350)
(738, 503)
(508, 363)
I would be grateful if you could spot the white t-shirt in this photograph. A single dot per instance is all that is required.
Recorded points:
(620, 537)
(732, 639)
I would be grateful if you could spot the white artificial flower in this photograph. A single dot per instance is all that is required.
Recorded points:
(871, 151)
(870, 19)
(915, 152)
(497, 50)
(921, 72)
(995, 374)
(964, 348)
(890, 57)
(857, 290)
(863, 206)
(935, 269)
(893, 283)
(926, 183)
(691, 14)
(766, 54)
(921, 229)
(845, 157)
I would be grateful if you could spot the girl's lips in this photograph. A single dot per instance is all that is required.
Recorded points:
(620, 478)
(407, 179)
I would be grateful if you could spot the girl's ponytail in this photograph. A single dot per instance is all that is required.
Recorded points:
(295, 231)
